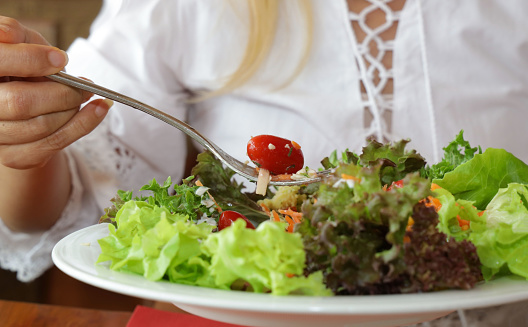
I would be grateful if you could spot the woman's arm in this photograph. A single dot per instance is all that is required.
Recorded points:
(38, 119)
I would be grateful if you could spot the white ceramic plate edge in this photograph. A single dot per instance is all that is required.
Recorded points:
(76, 254)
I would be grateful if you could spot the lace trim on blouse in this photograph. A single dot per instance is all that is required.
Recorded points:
(374, 75)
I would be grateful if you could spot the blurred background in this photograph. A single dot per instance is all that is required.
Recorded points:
(60, 22)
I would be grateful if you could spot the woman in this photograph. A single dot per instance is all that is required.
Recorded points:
(414, 69)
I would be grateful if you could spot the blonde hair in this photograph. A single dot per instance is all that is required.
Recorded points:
(263, 18)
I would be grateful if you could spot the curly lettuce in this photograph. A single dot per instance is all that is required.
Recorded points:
(436, 261)
(456, 153)
(355, 234)
(395, 161)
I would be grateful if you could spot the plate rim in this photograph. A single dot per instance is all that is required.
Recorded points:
(450, 300)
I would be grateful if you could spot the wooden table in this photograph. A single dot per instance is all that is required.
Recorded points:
(22, 314)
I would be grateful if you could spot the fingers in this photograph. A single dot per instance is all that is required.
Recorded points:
(38, 117)
(22, 100)
(34, 129)
(36, 154)
(28, 60)
(80, 125)
(25, 53)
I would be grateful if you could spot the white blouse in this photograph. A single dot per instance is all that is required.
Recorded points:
(457, 65)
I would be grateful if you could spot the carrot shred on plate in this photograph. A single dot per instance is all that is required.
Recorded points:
(434, 186)
(291, 223)
(410, 224)
(350, 177)
(296, 216)
(433, 202)
(275, 216)
(265, 208)
(462, 222)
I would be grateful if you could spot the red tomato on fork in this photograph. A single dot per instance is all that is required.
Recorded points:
(276, 154)
(228, 217)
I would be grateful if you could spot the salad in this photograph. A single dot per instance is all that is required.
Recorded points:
(384, 222)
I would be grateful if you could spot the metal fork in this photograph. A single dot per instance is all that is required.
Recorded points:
(239, 167)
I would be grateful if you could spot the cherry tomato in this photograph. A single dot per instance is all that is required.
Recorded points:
(276, 154)
(397, 184)
(228, 217)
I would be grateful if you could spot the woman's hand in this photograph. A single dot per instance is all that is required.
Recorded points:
(38, 117)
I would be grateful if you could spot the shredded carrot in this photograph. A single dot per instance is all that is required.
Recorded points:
(281, 177)
(410, 223)
(217, 206)
(354, 178)
(265, 208)
(290, 275)
(462, 222)
(433, 202)
(434, 186)
(275, 215)
(480, 213)
(290, 223)
(465, 227)
(292, 213)
(295, 145)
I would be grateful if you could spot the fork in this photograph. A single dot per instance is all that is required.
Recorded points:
(236, 165)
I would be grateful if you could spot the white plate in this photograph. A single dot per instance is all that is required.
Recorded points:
(77, 253)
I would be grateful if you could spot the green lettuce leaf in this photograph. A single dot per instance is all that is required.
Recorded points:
(479, 179)
(502, 244)
(268, 259)
(148, 239)
(151, 241)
